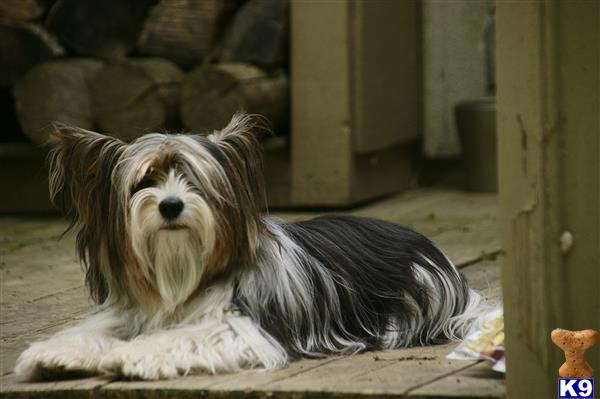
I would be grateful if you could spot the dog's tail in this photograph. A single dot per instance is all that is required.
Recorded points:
(474, 314)
(454, 308)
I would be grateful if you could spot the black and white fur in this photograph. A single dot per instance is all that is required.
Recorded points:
(217, 287)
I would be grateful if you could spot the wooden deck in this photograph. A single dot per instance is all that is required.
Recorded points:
(42, 292)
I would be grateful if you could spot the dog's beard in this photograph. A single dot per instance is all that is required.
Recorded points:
(177, 263)
(171, 256)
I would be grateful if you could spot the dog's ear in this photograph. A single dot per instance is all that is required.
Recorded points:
(81, 164)
(81, 186)
(239, 143)
(242, 134)
(241, 153)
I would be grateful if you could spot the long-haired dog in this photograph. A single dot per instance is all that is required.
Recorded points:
(190, 277)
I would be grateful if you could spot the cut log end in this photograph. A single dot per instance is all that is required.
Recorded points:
(258, 34)
(133, 97)
(56, 91)
(212, 94)
(185, 31)
(22, 10)
(22, 46)
(106, 29)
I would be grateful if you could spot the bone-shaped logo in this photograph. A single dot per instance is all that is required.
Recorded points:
(574, 344)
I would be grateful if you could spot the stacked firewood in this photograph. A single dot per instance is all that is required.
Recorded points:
(127, 67)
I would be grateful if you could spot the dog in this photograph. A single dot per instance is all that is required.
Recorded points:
(190, 276)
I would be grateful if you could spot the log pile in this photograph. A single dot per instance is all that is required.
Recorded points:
(134, 96)
(23, 45)
(128, 67)
(211, 94)
(58, 91)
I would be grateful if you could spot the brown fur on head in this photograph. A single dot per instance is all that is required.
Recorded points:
(111, 192)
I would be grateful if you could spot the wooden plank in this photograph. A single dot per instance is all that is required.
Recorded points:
(387, 372)
(21, 318)
(328, 376)
(401, 208)
(484, 277)
(79, 388)
(549, 96)
(441, 204)
(413, 204)
(470, 243)
(429, 206)
(30, 251)
(38, 271)
(16, 233)
(41, 284)
(219, 385)
(476, 381)
(22, 323)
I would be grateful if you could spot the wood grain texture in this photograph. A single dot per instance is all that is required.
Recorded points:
(106, 29)
(23, 46)
(548, 101)
(22, 10)
(185, 31)
(55, 91)
(136, 96)
(211, 94)
(478, 378)
(258, 34)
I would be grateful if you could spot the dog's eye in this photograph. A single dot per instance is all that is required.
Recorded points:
(146, 182)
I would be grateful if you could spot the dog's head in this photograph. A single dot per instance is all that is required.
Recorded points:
(161, 217)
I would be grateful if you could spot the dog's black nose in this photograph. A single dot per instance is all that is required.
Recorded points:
(170, 207)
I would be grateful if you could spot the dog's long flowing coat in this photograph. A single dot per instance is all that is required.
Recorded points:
(189, 276)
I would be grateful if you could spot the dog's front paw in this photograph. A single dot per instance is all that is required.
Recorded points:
(140, 362)
(55, 358)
